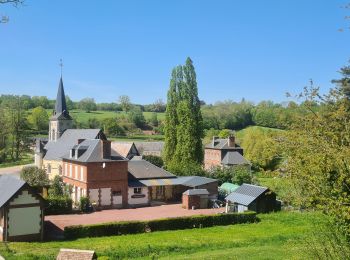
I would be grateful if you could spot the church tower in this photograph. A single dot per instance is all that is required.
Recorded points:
(60, 120)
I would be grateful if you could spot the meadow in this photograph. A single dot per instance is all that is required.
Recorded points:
(279, 235)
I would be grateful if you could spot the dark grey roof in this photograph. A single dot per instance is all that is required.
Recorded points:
(222, 144)
(149, 146)
(57, 149)
(194, 181)
(234, 158)
(246, 194)
(196, 192)
(141, 169)
(135, 183)
(91, 150)
(61, 111)
(9, 185)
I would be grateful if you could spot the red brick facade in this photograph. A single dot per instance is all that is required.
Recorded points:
(189, 201)
(98, 175)
(212, 158)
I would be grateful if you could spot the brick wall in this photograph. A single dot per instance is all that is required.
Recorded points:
(189, 201)
(212, 158)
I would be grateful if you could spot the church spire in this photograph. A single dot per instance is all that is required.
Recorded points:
(61, 106)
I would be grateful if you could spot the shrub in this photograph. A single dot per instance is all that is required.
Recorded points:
(156, 160)
(84, 204)
(58, 205)
(57, 187)
(133, 227)
(34, 176)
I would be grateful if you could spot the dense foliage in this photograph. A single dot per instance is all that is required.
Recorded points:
(58, 205)
(134, 227)
(156, 160)
(34, 176)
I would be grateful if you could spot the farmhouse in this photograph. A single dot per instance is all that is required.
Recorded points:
(252, 197)
(21, 211)
(224, 153)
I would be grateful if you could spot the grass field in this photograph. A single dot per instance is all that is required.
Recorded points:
(26, 159)
(241, 133)
(277, 236)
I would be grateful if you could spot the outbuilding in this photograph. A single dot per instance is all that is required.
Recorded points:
(21, 211)
(252, 197)
(195, 199)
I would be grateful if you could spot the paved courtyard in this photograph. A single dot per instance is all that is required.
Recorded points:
(146, 213)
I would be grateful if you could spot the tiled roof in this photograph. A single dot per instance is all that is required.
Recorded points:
(57, 149)
(246, 194)
(9, 185)
(196, 192)
(234, 158)
(142, 169)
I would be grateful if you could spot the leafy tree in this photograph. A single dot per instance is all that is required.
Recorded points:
(112, 128)
(39, 119)
(234, 174)
(87, 104)
(69, 103)
(156, 160)
(158, 106)
(225, 133)
(34, 176)
(57, 187)
(125, 103)
(136, 116)
(41, 102)
(154, 119)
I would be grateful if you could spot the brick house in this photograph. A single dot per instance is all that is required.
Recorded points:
(224, 153)
(93, 172)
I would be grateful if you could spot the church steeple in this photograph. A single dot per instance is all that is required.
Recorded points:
(60, 120)
(61, 105)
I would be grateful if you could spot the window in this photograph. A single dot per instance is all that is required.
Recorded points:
(160, 190)
(81, 173)
(137, 190)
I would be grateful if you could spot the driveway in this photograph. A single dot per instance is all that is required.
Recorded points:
(13, 170)
(146, 213)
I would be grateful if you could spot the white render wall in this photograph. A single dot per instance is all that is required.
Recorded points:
(136, 201)
(105, 196)
(93, 195)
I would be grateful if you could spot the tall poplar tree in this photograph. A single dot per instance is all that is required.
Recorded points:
(184, 124)
(171, 121)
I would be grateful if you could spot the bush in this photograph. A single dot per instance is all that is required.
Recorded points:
(156, 160)
(84, 204)
(58, 205)
(34, 176)
(134, 227)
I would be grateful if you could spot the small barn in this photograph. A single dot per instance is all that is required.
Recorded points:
(21, 211)
(252, 197)
(195, 199)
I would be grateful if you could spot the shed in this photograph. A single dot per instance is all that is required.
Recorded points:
(68, 254)
(195, 199)
(21, 211)
(252, 197)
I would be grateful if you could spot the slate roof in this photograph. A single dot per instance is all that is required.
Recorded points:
(149, 147)
(196, 192)
(142, 169)
(61, 111)
(55, 150)
(222, 144)
(91, 150)
(123, 148)
(234, 158)
(189, 181)
(9, 185)
(246, 194)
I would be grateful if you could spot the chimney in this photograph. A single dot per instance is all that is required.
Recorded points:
(214, 140)
(231, 141)
(106, 149)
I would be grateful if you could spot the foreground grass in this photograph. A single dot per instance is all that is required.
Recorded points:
(277, 236)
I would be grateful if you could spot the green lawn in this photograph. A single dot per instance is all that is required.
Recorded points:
(277, 236)
(26, 159)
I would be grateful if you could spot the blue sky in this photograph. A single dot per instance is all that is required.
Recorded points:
(258, 50)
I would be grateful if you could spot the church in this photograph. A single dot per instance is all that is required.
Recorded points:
(110, 176)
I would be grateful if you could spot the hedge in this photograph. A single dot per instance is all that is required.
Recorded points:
(58, 205)
(134, 227)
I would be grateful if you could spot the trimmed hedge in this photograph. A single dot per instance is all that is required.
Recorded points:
(134, 227)
(58, 205)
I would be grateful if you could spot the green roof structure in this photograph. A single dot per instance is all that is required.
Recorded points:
(228, 187)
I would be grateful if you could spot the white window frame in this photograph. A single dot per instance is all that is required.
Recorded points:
(137, 190)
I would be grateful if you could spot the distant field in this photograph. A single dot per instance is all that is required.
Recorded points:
(278, 236)
(241, 133)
